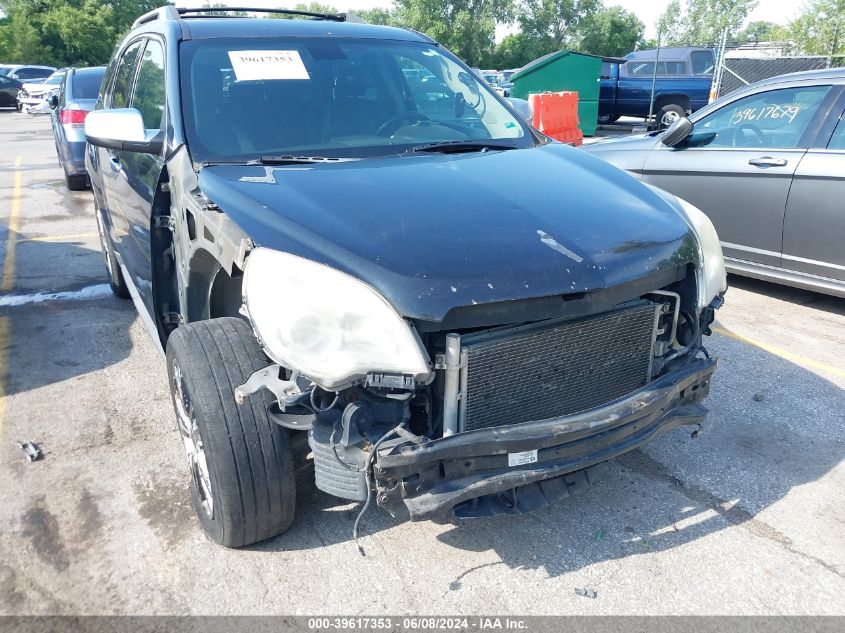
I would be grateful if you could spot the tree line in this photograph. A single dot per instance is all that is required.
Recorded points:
(84, 32)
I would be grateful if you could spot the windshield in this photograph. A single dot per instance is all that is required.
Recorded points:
(332, 97)
(4, 70)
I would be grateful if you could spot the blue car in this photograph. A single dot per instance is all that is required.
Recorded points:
(682, 86)
(77, 97)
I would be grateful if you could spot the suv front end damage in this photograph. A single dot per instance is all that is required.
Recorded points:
(513, 416)
(484, 471)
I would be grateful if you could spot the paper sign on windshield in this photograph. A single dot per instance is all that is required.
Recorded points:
(259, 65)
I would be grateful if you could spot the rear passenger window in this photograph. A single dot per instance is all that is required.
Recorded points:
(33, 73)
(675, 68)
(149, 87)
(838, 139)
(641, 69)
(123, 80)
(664, 69)
(702, 62)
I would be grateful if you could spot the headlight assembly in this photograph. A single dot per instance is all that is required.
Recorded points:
(328, 325)
(712, 278)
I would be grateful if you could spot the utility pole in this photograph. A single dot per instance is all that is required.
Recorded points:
(654, 79)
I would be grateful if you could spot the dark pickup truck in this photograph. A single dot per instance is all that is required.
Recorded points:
(684, 77)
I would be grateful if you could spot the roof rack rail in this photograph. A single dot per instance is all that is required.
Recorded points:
(335, 17)
(169, 12)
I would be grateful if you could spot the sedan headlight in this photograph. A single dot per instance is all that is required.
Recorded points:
(712, 278)
(328, 325)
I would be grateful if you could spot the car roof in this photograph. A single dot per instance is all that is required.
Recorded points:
(204, 28)
(824, 74)
(669, 53)
(88, 70)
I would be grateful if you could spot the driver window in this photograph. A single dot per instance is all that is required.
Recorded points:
(122, 86)
(776, 119)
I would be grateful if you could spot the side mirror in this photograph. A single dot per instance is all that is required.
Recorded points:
(677, 132)
(53, 101)
(120, 129)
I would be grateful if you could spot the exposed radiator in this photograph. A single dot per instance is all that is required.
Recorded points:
(545, 370)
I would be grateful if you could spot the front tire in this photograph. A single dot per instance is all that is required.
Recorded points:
(243, 484)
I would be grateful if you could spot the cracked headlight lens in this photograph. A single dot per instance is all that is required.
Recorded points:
(329, 326)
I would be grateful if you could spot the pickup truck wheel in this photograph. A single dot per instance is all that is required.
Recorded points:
(243, 485)
(115, 275)
(668, 114)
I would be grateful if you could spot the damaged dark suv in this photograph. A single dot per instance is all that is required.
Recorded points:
(336, 229)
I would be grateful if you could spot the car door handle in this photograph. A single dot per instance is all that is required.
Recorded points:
(767, 161)
(115, 163)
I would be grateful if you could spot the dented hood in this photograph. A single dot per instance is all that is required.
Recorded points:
(435, 232)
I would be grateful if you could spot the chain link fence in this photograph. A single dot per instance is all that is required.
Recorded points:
(748, 63)
(741, 71)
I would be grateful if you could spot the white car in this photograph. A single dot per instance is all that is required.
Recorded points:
(32, 95)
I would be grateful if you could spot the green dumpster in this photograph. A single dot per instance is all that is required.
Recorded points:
(564, 71)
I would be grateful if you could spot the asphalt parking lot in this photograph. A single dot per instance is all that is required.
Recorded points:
(747, 518)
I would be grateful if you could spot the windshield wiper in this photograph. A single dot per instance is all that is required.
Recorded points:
(301, 160)
(458, 147)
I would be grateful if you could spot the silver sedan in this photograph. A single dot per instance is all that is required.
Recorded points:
(767, 164)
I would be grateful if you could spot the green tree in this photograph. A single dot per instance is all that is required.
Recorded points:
(669, 25)
(760, 31)
(820, 28)
(610, 31)
(66, 32)
(701, 22)
(466, 27)
(514, 51)
(554, 24)
(705, 20)
(385, 17)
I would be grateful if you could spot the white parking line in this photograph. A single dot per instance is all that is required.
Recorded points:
(91, 292)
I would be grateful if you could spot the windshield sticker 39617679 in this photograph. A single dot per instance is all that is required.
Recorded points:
(259, 65)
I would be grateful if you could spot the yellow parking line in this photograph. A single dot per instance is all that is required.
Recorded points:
(786, 355)
(8, 281)
(59, 238)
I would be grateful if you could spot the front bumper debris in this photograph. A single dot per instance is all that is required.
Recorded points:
(430, 479)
